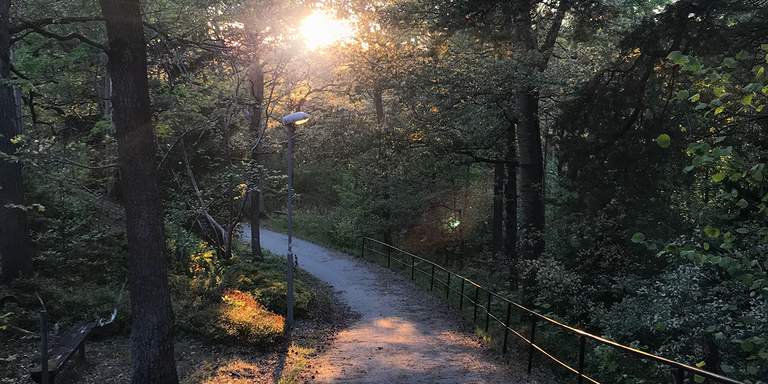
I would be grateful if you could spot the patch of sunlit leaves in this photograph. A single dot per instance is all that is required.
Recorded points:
(416, 136)
(241, 316)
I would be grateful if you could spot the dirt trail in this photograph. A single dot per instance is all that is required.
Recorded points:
(403, 336)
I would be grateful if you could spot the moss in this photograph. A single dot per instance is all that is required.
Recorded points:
(237, 319)
(240, 301)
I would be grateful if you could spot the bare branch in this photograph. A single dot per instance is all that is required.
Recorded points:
(39, 23)
(70, 36)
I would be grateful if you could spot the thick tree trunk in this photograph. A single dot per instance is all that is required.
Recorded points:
(498, 214)
(256, 79)
(510, 208)
(531, 174)
(152, 317)
(15, 243)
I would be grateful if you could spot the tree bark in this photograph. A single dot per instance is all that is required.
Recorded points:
(152, 348)
(378, 104)
(15, 243)
(381, 121)
(510, 208)
(530, 159)
(498, 214)
(531, 174)
(255, 223)
(256, 79)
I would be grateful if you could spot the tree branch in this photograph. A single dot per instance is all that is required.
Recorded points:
(31, 24)
(69, 36)
(554, 31)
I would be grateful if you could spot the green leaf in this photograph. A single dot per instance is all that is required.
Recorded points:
(753, 87)
(683, 94)
(718, 177)
(694, 98)
(712, 232)
(698, 379)
(719, 91)
(638, 237)
(664, 140)
(741, 55)
(730, 62)
(747, 99)
(677, 57)
(742, 203)
(719, 110)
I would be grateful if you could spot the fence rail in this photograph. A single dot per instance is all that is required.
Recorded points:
(482, 298)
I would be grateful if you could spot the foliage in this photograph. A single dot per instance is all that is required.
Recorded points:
(653, 121)
(238, 300)
(238, 318)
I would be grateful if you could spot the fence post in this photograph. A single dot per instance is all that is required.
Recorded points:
(531, 340)
(461, 296)
(474, 315)
(506, 328)
(413, 265)
(679, 376)
(448, 289)
(362, 250)
(432, 278)
(488, 311)
(582, 345)
(389, 257)
(43, 347)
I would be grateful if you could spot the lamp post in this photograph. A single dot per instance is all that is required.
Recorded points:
(291, 121)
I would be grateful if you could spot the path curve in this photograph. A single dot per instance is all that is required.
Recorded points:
(404, 335)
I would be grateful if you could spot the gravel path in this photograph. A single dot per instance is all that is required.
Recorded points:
(403, 336)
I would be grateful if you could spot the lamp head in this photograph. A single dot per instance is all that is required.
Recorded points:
(297, 118)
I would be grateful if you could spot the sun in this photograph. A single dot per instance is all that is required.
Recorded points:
(321, 29)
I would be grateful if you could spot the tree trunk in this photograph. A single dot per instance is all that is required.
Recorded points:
(510, 207)
(381, 122)
(15, 243)
(498, 214)
(152, 316)
(531, 174)
(378, 104)
(255, 223)
(256, 79)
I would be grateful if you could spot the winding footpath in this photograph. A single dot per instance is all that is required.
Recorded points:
(403, 335)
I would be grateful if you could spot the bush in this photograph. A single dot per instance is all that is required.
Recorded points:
(237, 301)
(265, 279)
(237, 319)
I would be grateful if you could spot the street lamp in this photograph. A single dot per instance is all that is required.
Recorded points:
(291, 121)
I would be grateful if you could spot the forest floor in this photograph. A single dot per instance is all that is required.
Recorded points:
(404, 335)
(197, 361)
